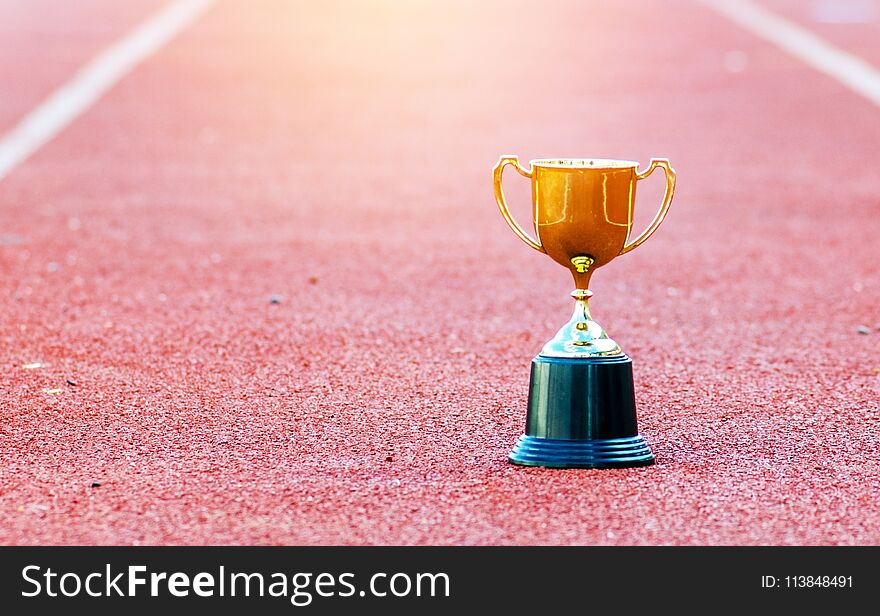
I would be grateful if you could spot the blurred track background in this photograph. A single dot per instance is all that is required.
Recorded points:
(259, 291)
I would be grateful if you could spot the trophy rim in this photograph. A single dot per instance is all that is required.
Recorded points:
(580, 163)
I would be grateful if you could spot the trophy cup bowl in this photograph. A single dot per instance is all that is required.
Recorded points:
(581, 409)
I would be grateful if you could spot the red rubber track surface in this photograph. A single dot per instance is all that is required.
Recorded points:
(338, 155)
(43, 42)
(851, 25)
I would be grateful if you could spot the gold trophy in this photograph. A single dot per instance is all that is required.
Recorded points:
(581, 410)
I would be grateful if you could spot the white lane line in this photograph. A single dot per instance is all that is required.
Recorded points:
(850, 70)
(93, 80)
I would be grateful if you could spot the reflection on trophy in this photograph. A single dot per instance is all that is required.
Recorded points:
(581, 410)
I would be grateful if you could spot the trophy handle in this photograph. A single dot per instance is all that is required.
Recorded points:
(499, 197)
(664, 207)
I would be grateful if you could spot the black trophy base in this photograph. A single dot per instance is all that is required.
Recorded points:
(582, 414)
(599, 453)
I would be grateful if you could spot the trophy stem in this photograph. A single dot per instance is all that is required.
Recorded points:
(581, 307)
(581, 337)
(582, 272)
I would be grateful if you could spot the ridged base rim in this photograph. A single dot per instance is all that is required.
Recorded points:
(599, 453)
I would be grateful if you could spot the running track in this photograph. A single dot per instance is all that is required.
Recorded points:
(338, 156)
